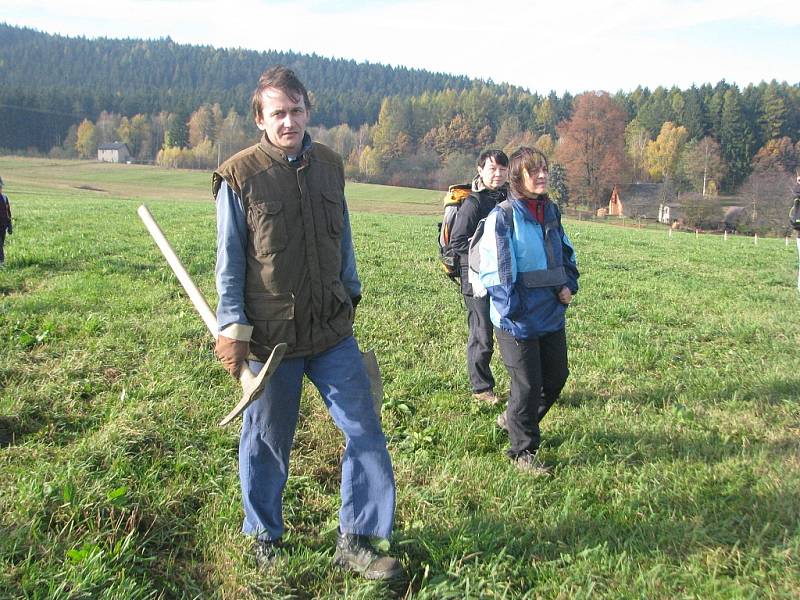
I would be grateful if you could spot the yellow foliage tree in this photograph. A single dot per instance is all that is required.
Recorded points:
(369, 164)
(662, 155)
(86, 144)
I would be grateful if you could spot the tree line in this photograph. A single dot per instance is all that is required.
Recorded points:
(187, 106)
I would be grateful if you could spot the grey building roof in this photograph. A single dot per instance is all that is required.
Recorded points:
(643, 199)
(113, 146)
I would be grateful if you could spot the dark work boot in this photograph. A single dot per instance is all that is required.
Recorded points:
(355, 553)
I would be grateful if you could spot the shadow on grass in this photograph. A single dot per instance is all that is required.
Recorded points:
(13, 430)
(688, 435)
(742, 521)
(61, 429)
(771, 392)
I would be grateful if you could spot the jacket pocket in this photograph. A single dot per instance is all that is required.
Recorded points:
(334, 211)
(268, 224)
(272, 317)
(341, 309)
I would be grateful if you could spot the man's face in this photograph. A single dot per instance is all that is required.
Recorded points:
(492, 174)
(283, 120)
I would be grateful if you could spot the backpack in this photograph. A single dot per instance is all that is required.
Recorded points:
(456, 194)
(478, 290)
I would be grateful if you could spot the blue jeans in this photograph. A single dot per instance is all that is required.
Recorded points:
(367, 487)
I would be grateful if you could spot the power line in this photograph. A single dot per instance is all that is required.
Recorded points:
(44, 111)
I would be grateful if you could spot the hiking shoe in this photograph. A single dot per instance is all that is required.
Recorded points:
(265, 551)
(487, 397)
(528, 463)
(502, 421)
(355, 553)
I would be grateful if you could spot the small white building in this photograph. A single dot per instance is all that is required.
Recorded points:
(116, 152)
(663, 214)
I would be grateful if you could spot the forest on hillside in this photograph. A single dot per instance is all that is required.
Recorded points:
(187, 106)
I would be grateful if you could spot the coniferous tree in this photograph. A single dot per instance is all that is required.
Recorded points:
(178, 132)
(736, 139)
(772, 112)
(391, 137)
(689, 113)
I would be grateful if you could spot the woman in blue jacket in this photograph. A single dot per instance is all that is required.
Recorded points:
(528, 267)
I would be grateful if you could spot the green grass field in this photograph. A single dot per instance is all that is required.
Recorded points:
(676, 443)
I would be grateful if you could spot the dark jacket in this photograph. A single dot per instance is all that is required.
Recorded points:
(295, 219)
(794, 213)
(476, 207)
(5, 213)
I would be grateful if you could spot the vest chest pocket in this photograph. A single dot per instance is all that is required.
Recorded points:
(268, 227)
(334, 211)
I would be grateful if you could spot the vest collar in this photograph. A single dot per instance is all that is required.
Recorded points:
(277, 154)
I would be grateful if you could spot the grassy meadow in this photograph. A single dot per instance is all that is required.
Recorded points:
(676, 443)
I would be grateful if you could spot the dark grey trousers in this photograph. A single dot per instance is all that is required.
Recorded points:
(480, 344)
(538, 370)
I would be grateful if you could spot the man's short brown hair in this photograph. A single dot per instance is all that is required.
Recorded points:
(283, 79)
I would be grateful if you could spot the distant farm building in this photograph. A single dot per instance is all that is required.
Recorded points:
(615, 206)
(116, 152)
(643, 200)
(662, 203)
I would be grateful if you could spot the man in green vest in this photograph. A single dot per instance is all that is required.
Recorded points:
(286, 272)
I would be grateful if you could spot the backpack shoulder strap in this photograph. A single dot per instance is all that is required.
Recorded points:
(558, 212)
(508, 209)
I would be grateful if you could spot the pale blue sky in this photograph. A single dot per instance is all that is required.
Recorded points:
(605, 44)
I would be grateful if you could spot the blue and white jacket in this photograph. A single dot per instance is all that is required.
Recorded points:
(523, 266)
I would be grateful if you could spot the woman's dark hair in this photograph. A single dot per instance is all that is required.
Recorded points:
(498, 156)
(524, 159)
(279, 78)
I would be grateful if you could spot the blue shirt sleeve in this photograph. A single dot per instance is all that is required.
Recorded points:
(231, 258)
(349, 274)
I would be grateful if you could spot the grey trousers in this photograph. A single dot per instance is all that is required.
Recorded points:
(480, 344)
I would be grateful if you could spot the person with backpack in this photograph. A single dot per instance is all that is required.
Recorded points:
(794, 211)
(489, 187)
(528, 267)
(5, 222)
(794, 220)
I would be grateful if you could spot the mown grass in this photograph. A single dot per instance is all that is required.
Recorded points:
(675, 445)
(36, 176)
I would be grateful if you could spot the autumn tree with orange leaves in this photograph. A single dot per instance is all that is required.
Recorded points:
(592, 147)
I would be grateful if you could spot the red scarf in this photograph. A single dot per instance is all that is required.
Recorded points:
(536, 208)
